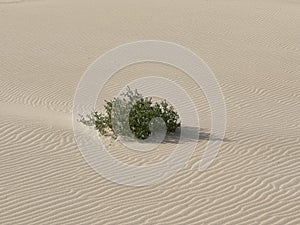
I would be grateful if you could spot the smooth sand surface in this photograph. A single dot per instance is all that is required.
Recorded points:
(253, 47)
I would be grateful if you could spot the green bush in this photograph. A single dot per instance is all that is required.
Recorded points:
(133, 115)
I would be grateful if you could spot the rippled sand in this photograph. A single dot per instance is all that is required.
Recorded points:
(253, 47)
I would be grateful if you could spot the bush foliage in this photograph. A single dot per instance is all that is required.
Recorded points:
(133, 115)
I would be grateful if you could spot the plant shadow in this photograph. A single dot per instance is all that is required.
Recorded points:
(191, 134)
(182, 135)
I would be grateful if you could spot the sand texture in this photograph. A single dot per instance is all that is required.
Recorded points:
(253, 48)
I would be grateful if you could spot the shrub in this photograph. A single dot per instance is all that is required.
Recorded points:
(133, 115)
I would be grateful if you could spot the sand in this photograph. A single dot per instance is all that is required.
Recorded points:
(253, 47)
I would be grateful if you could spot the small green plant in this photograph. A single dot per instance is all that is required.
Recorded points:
(133, 115)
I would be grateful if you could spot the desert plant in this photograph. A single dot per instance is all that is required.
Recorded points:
(133, 115)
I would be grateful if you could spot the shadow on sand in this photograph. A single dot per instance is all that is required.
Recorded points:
(190, 134)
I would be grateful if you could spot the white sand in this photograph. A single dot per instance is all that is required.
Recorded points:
(253, 47)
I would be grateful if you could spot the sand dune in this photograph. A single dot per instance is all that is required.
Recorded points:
(253, 47)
